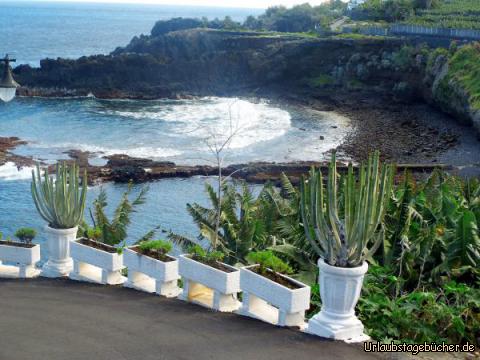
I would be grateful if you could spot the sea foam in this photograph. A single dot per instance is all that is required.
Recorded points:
(9, 171)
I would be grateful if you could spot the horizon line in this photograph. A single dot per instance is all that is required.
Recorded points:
(154, 2)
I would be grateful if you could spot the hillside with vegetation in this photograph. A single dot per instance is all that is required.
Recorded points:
(459, 14)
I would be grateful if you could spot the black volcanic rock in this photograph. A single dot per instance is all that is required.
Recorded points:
(196, 61)
(163, 27)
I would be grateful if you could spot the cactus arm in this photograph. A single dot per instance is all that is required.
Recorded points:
(306, 223)
(332, 202)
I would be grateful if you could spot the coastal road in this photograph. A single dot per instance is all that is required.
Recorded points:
(48, 319)
(337, 24)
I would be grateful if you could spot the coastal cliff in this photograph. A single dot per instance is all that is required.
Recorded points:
(194, 62)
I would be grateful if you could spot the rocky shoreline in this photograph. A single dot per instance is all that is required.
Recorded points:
(7, 145)
(123, 168)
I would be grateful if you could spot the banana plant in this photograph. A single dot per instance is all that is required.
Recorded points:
(344, 222)
(60, 201)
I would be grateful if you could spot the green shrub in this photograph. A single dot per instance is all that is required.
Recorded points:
(26, 235)
(161, 246)
(433, 56)
(267, 260)
(404, 58)
(200, 254)
(449, 313)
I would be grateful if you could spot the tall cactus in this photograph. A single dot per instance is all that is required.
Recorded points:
(60, 202)
(346, 227)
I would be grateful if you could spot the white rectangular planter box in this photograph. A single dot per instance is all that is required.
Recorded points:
(24, 259)
(151, 275)
(269, 301)
(209, 287)
(94, 265)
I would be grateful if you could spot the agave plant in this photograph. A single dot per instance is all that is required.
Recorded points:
(344, 224)
(60, 201)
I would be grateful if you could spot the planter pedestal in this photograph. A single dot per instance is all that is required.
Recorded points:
(19, 272)
(59, 262)
(209, 287)
(96, 266)
(142, 282)
(89, 273)
(254, 307)
(340, 290)
(199, 294)
(271, 302)
(151, 275)
(23, 258)
(348, 329)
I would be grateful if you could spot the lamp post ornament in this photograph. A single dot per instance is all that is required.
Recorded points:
(8, 85)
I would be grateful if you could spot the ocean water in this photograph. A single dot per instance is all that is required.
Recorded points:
(183, 131)
(32, 31)
(165, 207)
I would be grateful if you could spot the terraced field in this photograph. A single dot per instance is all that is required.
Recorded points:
(458, 14)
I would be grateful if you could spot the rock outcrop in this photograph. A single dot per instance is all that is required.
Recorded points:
(197, 62)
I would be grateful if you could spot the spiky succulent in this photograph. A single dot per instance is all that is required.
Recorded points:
(60, 201)
(344, 223)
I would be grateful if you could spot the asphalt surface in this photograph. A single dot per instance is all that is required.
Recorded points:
(47, 319)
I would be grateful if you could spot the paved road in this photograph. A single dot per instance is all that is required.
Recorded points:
(337, 24)
(60, 319)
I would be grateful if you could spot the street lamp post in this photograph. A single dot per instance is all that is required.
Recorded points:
(8, 86)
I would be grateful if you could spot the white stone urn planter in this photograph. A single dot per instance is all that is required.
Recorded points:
(340, 290)
(59, 262)
(151, 275)
(22, 256)
(210, 287)
(267, 300)
(101, 264)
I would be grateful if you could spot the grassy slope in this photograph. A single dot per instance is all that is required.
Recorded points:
(461, 14)
(464, 69)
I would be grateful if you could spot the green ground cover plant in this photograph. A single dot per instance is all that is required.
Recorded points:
(161, 246)
(211, 258)
(267, 260)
